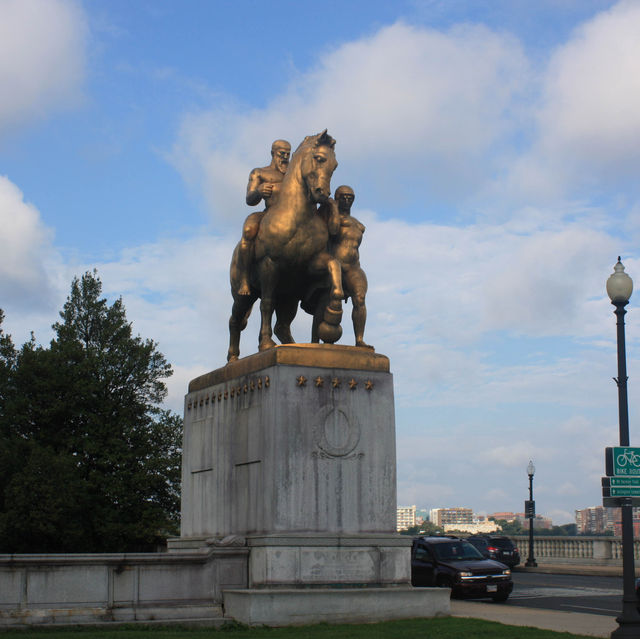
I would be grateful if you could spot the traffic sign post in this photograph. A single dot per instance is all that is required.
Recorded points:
(621, 481)
(622, 461)
(616, 490)
(617, 502)
(530, 509)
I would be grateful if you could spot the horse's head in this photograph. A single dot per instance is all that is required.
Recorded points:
(318, 164)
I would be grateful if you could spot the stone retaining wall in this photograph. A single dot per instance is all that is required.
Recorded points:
(77, 588)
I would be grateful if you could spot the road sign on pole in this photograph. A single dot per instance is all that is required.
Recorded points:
(615, 490)
(530, 509)
(616, 502)
(622, 461)
(621, 481)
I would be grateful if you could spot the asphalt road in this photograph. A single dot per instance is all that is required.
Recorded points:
(567, 593)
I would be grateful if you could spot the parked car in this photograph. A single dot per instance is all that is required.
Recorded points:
(454, 563)
(496, 547)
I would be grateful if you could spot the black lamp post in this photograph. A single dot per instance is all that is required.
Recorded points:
(530, 512)
(619, 289)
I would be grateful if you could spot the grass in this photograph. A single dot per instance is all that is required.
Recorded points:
(437, 628)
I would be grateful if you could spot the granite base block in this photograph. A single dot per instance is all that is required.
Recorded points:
(287, 607)
(328, 560)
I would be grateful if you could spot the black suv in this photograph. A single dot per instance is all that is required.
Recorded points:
(454, 563)
(496, 547)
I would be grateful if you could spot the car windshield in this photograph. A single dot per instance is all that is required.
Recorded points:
(456, 550)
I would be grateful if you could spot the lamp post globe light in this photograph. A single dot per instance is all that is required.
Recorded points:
(530, 512)
(619, 289)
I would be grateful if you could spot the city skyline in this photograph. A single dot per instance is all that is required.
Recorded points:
(493, 147)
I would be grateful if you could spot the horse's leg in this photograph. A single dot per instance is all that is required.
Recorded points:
(285, 312)
(326, 263)
(268, 278)
(335, 274)
(328, 326)
(318, 315)
(240, 312)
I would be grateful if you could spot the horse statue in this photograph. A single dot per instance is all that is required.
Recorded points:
(291, 259)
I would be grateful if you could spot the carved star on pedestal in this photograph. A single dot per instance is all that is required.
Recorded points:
(335, 382)
(302, 380)
(352, 384)
(319, 382)
(368, 385)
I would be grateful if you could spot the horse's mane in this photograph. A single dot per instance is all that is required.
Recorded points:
(319, 139)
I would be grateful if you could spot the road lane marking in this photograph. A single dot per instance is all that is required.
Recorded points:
(536, 593)
(591, 608)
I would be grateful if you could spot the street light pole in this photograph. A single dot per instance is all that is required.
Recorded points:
(619, 289)
(530, 511)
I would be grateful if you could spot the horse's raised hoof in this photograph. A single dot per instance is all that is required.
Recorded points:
(266, 344)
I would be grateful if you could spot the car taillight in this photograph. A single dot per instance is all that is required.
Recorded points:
(515, 549)
(492, 549)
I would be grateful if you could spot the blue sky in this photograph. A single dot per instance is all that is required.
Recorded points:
(494, 149)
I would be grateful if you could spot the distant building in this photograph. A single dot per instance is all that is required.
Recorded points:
(616, 521)
(539, 522)
(503, 516)
(595, 520)
(477, 527)
(444, 516)
(406, 517)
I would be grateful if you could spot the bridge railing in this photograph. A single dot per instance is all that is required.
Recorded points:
(597, 550)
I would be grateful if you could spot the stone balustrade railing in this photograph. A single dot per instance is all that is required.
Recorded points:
(598, 550)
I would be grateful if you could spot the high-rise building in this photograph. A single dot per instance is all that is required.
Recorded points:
(597, 520)
(442, 516)
(406, 517)
(594, 520)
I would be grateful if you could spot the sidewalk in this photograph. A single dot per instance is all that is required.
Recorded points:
(574, 622)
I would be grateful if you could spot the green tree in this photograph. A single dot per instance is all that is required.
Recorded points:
(8, 357)
(510, 527)
(99, 460)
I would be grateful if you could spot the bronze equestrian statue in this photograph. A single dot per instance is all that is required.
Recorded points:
(290, 253)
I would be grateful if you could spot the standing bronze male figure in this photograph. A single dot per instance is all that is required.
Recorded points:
(344, 245)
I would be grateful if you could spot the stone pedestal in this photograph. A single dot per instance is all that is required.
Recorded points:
(299, 438)
(292, 452)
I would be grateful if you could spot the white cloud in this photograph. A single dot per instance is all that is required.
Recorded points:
(589, 115)
(26, 254)
(407, 104)
(41, 57)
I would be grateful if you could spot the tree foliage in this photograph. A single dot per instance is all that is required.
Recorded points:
(94, 460)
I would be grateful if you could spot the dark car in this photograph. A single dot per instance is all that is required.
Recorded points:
(454, 563)
(501, 549)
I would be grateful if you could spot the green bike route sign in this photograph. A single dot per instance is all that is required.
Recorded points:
(622, 461)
